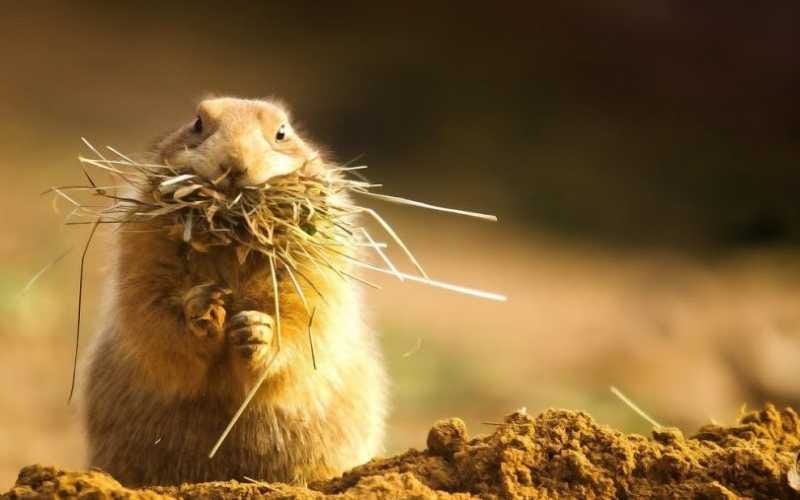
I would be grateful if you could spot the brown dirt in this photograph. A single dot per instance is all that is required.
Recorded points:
(558, 454)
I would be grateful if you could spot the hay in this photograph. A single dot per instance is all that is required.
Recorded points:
(292, 216)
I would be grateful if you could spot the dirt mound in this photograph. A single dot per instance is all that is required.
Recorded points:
(558, 454)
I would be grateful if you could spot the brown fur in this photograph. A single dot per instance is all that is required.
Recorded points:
(171, 364)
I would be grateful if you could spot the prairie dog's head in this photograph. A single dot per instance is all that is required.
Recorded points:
(244, 142)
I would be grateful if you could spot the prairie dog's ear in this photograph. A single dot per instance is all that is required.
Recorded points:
(279, 103)
(209, 96)
(211, 108)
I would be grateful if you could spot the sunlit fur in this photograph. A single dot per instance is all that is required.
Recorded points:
(158, 395)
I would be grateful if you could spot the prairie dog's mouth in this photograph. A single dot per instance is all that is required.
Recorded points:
(228, 179)
(227, 176)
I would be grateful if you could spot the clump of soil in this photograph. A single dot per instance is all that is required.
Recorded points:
(558, 454)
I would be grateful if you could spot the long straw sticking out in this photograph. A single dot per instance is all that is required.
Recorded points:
(635, 408)
(94, 150)
(80, 306)
(437, 284)
(404, 201)
(244, 405)
(382, 255)
(396, 238)
(263, 376)
(43, 270)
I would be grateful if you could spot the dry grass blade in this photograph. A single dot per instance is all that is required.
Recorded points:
(80, 306)
(382, 255)
(438, 284)
(263, 376)
(103, 165)
(295, 284)
(348, 169)
(261, 484)
(276, 299)
(65, 196)
(634, 407)
(414, 349)
(396, 238)
(311, 339)
(43, 270)
(94, 150)
(243, 406)
(405, 201)
(124, 157)
(312, 285)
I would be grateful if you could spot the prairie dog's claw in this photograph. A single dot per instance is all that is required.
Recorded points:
(247, 318)
(250, 334)
(204, 310)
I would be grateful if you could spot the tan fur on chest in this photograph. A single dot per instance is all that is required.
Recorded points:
(146, 384)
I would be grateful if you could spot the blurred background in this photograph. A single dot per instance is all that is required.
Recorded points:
(642, 156)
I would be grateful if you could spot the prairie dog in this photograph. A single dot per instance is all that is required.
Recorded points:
(186, 334)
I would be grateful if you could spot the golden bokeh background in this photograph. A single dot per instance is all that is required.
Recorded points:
(642, 158)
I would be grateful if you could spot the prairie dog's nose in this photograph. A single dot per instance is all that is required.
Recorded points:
(251, 159)
(247, 150)
(242, 156)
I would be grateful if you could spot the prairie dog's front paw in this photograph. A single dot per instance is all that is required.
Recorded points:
(204, 310)
(250, 335)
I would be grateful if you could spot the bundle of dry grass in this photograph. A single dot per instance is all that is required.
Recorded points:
(289, 218)
(292, 215)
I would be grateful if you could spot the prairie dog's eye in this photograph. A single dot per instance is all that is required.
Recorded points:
(198, 125)
(282, 133)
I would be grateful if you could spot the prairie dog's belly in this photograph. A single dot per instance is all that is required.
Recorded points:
(154, 408)
(313, 430)
(142, 440)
